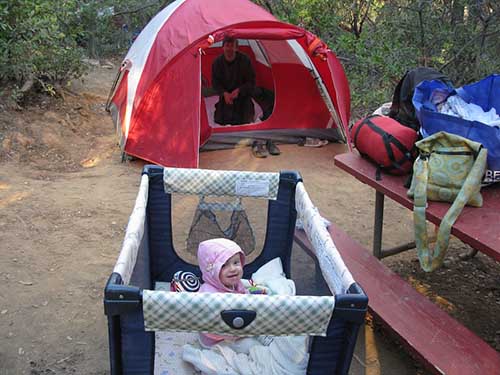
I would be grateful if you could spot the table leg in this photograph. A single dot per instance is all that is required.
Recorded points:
(379, 222)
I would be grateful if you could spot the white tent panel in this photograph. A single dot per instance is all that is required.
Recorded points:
(139, 52)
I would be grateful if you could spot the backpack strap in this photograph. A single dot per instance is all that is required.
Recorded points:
(432, 259)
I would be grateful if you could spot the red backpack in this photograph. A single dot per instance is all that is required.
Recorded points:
(386, 142)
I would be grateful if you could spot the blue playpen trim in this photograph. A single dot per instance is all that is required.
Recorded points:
(132, 349)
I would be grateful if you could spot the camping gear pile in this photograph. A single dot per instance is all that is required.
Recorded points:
(449, 138)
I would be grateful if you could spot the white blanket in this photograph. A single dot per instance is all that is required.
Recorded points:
(456, 106)
(256, 355)
(283, 356)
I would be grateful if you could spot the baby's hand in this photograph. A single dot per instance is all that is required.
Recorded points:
(256, 289)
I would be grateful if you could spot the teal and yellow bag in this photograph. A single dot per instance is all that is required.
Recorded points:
(450, 168)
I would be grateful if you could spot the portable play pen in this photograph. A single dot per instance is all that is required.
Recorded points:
(135, 310)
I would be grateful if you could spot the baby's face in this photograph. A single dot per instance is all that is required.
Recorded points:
(232, 271)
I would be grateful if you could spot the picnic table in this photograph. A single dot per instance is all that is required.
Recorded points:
(477, 227)
(434, 338)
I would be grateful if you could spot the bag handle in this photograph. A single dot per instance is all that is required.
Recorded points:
(431, 260)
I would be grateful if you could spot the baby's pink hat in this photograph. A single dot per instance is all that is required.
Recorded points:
(212, 254)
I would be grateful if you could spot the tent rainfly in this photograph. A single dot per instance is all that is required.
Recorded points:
(156, 102)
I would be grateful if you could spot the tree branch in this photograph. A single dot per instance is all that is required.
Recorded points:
(266, 4)
(136, 9)
(365, 16)
(472, 40)
(423, 49)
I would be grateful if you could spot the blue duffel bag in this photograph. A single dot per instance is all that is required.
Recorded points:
(486, 94)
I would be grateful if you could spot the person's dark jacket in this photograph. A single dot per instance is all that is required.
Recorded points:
(226, 77)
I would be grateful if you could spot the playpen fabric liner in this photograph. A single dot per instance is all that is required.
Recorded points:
(276, 315)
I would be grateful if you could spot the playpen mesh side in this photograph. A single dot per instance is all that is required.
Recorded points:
(331, 354)
(322, 243)
(279, 233)
(224, 217)
(219, 220)
(328, 354)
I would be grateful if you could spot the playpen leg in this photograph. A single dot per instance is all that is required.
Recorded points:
(115, 345)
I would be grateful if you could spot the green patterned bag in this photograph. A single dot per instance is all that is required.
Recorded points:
(450, 169)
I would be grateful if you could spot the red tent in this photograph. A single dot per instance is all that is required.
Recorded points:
(157, 105)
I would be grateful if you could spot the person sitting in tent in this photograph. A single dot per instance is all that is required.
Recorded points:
(233, 79)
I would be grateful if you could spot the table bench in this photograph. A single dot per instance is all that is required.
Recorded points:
(433, 337)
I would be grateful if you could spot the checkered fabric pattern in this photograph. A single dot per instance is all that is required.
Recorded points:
(221, 183)
(333, 268)
(201, 312)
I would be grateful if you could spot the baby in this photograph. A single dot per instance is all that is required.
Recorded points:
(221, 262)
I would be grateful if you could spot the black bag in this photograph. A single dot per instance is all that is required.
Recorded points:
(402, 109)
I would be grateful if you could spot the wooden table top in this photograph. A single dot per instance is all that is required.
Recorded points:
(478, 227)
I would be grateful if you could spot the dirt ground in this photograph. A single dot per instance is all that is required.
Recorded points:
(65, 198)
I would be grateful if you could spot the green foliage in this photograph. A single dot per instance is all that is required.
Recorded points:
(45, 41)
(38, 40)
(378, 41)
(110, 25)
